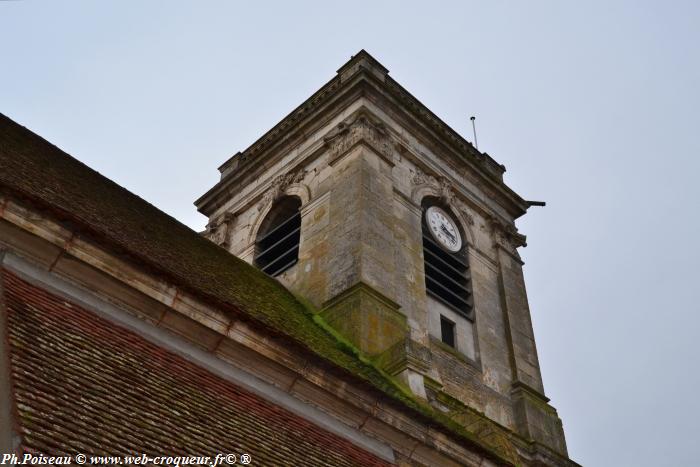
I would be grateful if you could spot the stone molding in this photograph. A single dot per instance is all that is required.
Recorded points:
(442, 188)
(464, 147)
(209, 361)
(363, 80)
(474, 363)
(247, 254)
(380, 297)
(280, 184)
(235, 340)
(362, 61)
(406, 201)
(441, 185)
(290, 183)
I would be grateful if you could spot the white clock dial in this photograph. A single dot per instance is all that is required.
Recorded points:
(443, 229)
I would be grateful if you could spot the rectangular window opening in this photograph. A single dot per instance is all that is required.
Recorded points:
(447, 331)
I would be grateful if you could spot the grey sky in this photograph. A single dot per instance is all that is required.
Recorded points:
(592, 107)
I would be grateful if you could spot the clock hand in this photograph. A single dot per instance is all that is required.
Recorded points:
(449, 234)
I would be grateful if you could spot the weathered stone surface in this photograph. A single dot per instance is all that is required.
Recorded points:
(369, 320)
(368, 162)
(361, 166)
(537, 419)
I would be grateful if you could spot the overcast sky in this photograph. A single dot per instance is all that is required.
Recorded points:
(592, 106)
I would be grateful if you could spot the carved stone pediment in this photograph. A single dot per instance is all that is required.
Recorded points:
(279, 184)
(441, 185)
(347, 135)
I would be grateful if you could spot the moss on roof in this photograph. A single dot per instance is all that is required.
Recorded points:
(33, 168)
(79, 386)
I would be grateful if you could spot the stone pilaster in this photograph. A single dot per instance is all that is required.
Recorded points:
(535, 418)
(367, 298)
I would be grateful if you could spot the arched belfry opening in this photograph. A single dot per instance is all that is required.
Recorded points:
(277, 241)
(446, 265)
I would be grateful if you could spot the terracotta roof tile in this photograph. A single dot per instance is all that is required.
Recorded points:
(35, 170)
(84, 385)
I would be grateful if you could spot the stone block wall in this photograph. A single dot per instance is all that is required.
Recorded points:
(361, 178)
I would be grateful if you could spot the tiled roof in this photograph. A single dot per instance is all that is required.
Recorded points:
(83, 385)
(34, 169)
(40, 173)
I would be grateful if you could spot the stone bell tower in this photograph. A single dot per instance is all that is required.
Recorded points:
(402, 235)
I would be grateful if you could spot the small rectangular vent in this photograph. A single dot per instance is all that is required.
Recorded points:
(447, 331)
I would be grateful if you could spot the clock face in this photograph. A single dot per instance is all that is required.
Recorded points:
(443, 229)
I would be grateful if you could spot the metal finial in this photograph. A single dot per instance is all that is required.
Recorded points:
(476, 143)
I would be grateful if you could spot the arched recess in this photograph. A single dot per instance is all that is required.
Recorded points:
(424, 192)
(300, 190)
(277, 239)
(452, 323)
(447, 274)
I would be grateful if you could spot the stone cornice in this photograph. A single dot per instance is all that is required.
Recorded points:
(365, 72)
(361, 129)
(56, 249)
(297, 125)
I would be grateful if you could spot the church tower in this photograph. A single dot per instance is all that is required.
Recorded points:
(402, 235)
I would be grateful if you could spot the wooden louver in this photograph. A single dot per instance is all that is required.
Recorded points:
(278, 249)
(447, 276)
